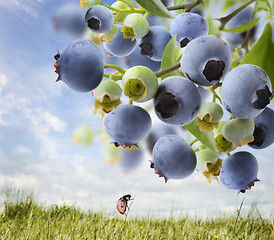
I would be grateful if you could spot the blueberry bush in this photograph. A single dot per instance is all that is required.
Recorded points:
(210, 77)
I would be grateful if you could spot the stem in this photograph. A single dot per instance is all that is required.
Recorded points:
(212, 90)
(134, 10)
(228, 154)
(247, 35)
(226, 19)
(187, 7)
(115, 77)
(168, 70)
(193, 141)
(127, 3)
(130, 101)
(121, 70)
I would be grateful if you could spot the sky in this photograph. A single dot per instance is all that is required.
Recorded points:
(38, 117)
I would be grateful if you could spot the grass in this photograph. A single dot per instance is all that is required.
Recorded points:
(23, 218)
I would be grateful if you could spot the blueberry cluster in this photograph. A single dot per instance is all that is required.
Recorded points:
(168, 66)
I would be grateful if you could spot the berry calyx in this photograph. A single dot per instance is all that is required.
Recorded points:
(140, 83)
(135, 26)
(107, 95)
(209, 116)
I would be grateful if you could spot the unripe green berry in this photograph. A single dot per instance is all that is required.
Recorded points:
(119, 16)
(209, 116)
(239, 131)
(222, 144)
(140, 83)
(83, 135)
(209, 163)
(107, 95)
(135, 26)
(87, 4)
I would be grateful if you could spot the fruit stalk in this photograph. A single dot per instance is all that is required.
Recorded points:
(247, 35)
(226, 19)
(187, 7)
(168, 70)
(121, 70)
(134, 10)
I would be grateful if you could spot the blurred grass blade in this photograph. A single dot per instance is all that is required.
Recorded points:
(262, 53)
(156, 7)
(206, 138)
(243, 27)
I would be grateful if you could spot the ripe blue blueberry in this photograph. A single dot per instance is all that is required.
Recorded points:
(177, 101)
(131, 158)
(69, 19)
(136, 58)
(264, 129)
(246, 91)
(127, 125)
(188, 26)
(80, 65)
(154, 43)
(157, 131)
(173, 158)
(120, 46)
(239, 171)
(206, 60)
(99, 19)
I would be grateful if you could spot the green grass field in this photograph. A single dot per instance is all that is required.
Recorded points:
(23, 218)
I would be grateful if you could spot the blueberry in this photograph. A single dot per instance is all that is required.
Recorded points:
(173, 158)
(131, 158)
(69, 19)
(188, 26)
(99, 19)
(120, 46)
(127, 125)
(80, 65)
(264, 129)
(136, 58)
(239, 171)
(246, 91)
(157, 131)
(177, 101)
(243, 17)
(206, 60)
(154, 43)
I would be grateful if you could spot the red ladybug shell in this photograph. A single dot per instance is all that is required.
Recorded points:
(122, 206)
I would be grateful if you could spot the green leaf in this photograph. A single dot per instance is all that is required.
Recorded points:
(170, 57)
(262, 53)
(243, 27)
(156, 7)
(206, 138)
(207, 3)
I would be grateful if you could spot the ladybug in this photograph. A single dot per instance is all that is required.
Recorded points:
(122, 203)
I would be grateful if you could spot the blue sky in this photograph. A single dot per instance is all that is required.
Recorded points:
(37, 120)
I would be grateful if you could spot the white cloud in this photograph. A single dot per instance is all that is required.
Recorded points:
(21, 150)
(3, 81)
(28, 6)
